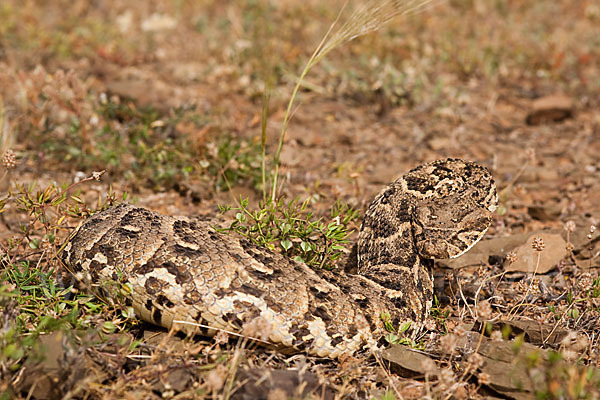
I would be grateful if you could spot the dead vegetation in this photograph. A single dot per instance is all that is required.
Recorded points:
(167, 99)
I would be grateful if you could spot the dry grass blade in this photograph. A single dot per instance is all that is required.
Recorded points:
(7, 136)
(7, 155)
(369, 17)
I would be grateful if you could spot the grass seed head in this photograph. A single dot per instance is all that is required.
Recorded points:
(9, 159)
(447, 376)
(449, 342)
(484, 378)
(570, 226)
(484, 309)
(475, 361)
(585, 281)
(496, 336)
(570, 247)
(429, 366)
(216, 378)
(538, 244)
(221, 338)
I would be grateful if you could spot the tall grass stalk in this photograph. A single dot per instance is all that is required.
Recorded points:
(263, 139)
(6, 139)
(7, 135)
(369, 17)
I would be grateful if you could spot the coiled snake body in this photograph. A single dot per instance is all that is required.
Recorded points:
(181, 270)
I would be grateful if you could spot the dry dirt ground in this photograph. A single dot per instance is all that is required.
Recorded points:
(167, 96)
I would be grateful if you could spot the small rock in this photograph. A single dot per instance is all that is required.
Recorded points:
(552, 108)
(539, 174)
(267, 384)
(439, 143)
(484, 249)
(526, 257)
(548, 211)
(407, 362)
(534, 332)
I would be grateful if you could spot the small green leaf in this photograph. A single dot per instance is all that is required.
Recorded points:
(286, 244)
(93, 307)
(108, 327)
(13, 351)
(574, 313)
(134, 344)
(128, 312)
(285, 228)
(506, 332)
(517, 343)
(392, 338)
(404, 327)
(554, 356)
(240, 217)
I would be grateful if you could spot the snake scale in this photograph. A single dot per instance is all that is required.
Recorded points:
(180, 270)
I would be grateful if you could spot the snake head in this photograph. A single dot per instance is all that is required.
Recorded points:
(457, 200)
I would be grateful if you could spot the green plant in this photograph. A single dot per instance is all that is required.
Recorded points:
(295, 230)
(35, 298)
(398, 335)
(438, 314)
(389, 395)
(232, 161)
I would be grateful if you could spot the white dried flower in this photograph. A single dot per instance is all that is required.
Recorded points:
(216, 378)
(429, 366)
(484, 379)
(97, 174)
(447, 376)
(9, 159)
(538, 244)
(585, 281)
(570, 226)
(496, 336)
(570, 247)
(221, 337)
(449, 342)
(511, 257)
(484, 309)
(475, 361)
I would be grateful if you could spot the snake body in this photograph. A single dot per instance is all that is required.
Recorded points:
(182, 273)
